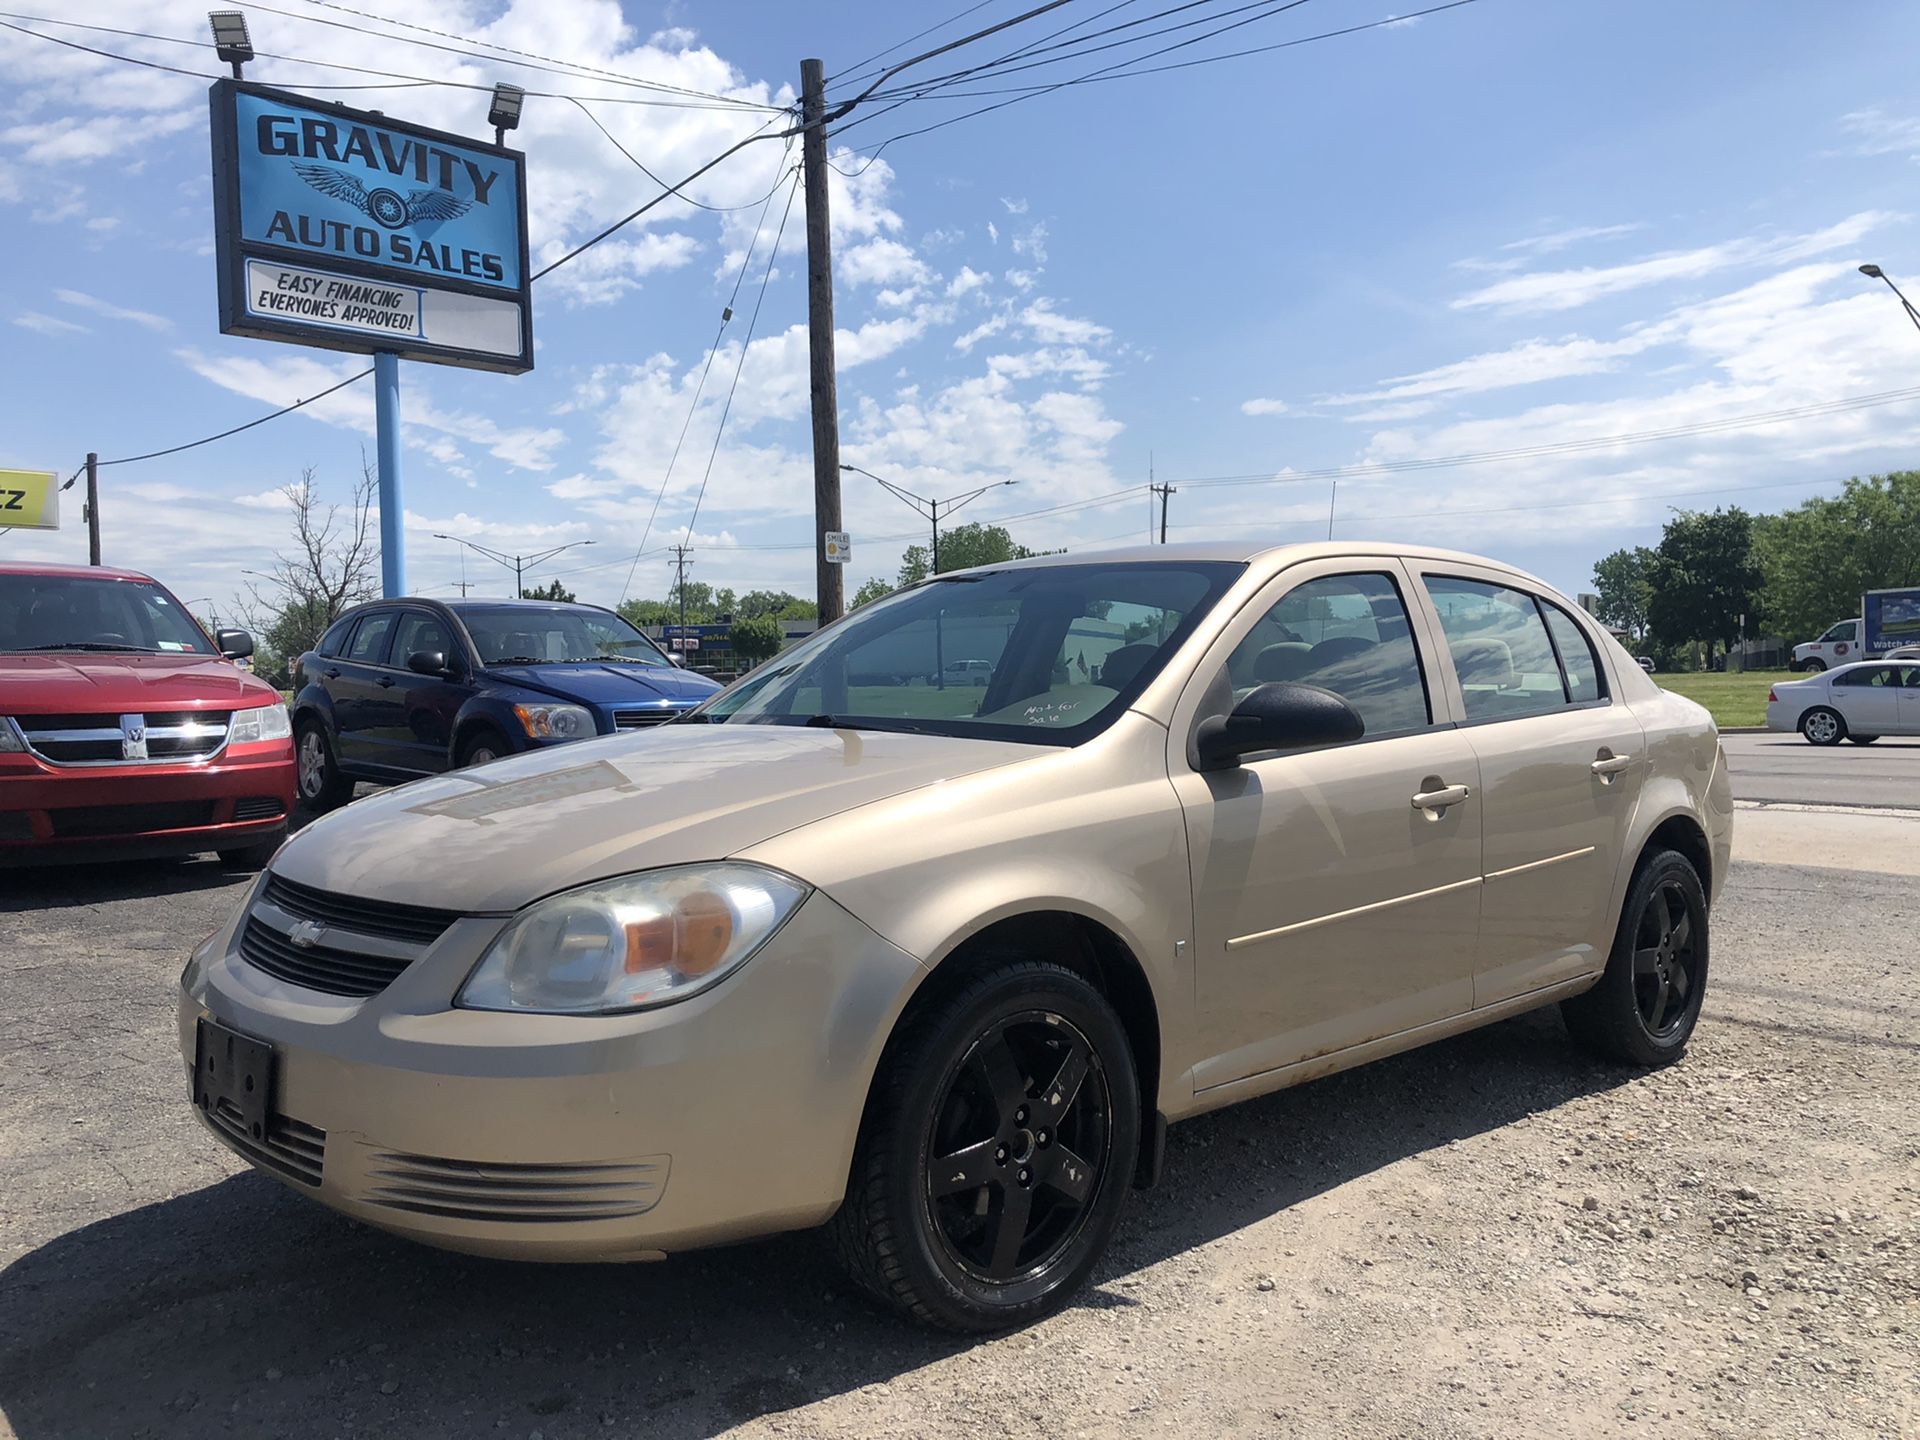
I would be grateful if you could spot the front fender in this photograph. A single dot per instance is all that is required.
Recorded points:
(489, 712)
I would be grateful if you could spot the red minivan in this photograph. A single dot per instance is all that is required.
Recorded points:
(126, 730)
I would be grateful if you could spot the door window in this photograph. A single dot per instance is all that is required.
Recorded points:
(1346, 633)
(1500, 647)
(1576, 656)
(369, 645)
(1843, 631)
(421, 631)
(1877, 676)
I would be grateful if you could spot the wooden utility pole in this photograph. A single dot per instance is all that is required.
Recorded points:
(93, 508)
(1165, 492)
(680, 563)
(826, 402)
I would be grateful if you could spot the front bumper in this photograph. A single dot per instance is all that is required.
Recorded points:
(731, 1114)
(54, 813)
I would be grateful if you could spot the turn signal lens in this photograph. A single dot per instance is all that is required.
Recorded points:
(1772, 697)
(630, 943)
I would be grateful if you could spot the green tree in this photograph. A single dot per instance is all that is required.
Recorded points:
(552, 590)
(1704, 578)
(874, 589)
(757, 638)
(1819, 557)
(643, 613)
(778, 603)
(962, 547)
(1624, 582)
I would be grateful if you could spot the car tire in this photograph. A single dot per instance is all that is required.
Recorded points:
(1863, 739)
(322, 787)
(1659, 959)
(968, 1084)
(251, 857)
(481, 746)
(1823, 725)
(1814, 667)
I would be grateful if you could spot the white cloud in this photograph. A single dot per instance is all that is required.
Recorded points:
(967, 281)
(1527, 363)
(1032, 243)
(1569, 289)
(48, 324)
(615, 267)
(1022, 280)
(881, 261)
(993, 232)
(992, 325)
(1263, 407)
(1044, 323)
(1014, 207)
(109, 311)
(78, 142)
(1874, 132)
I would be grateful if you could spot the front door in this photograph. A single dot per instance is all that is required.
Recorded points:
(1562, 764)
(1910, 700)
(1336, 891)
(416, 731)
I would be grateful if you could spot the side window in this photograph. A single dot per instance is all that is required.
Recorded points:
(1576, 655)
(1500, 649)
(420, 631)
(334, 642)
(1346, 633)
(1843, 631)
(370, 640)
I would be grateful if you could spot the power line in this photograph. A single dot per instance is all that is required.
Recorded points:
(636, 163)
(726, 315)
(861, 65)
(535, 55)
(844, 106)
(753, 320)
(175, 69)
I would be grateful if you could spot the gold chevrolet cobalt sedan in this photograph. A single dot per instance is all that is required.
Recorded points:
(939, 961)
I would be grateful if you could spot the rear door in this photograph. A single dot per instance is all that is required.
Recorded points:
(359, 698)
(1562, 763)
(1910, 700)
(1336, 891)
(1868, 698)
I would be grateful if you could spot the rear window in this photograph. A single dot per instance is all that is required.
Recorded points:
(1501, 653)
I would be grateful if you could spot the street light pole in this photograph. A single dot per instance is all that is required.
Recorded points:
(516, 563)
(1874, 272)
(931, 509)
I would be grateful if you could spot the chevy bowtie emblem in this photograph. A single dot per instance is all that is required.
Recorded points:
(388, 207)
(133, 737)
(306, 933)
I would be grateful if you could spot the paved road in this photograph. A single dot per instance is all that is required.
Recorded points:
(1489, 1236)
(1784, 769)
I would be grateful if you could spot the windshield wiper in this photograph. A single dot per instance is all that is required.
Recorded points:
(519, 660)
(93, 645)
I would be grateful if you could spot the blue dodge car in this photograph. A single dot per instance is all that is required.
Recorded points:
(397, 689)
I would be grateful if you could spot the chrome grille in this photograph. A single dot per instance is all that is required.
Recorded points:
(515, 1193)
(414, 923)
(291, 1147)
(640, 719)
(166, 737)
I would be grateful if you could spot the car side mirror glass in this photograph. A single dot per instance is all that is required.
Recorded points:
(427, 662)
(1277, 716)
(234, 644)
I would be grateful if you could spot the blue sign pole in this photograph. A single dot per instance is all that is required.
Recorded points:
(386, 410)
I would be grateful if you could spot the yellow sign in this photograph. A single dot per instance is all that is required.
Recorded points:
(29, 500)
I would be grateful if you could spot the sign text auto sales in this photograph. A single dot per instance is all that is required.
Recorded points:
(407, 161)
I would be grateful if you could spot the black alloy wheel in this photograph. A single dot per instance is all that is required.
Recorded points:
(1664, 959)
(1011, 1159)
(1647, 1001)
(998, 1146)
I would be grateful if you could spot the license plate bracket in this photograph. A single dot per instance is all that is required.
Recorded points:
(233, 1073)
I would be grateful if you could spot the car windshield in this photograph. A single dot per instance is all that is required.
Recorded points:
(1046, 654)
(76, 612)
(530, 635)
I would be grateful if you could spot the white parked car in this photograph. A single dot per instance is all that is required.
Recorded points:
(1905, 652)
(1859, 702)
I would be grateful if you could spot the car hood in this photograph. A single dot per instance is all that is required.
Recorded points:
(82, 683)
(496, 837)
(599, 684)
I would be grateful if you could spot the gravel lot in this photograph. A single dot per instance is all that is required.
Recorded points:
(1491, 1237)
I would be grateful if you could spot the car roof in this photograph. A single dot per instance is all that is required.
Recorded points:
(470, 602)
(77, 572)
(1264, 554)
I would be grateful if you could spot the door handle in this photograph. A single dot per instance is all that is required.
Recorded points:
(386, 682)
(333, 674)
(1609, 765)
(1438, 800)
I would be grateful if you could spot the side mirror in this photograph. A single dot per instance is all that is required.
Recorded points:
(679, 661)
(427, 662)
(234, 644)
(1279, 716)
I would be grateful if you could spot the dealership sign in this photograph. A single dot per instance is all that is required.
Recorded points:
(29, 500)
(345, 229)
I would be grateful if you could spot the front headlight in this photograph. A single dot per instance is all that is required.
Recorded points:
(263, 722)
(556, 722)
(9, 739)
(629, 943)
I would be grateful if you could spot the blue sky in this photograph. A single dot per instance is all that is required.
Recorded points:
(1511, 225)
